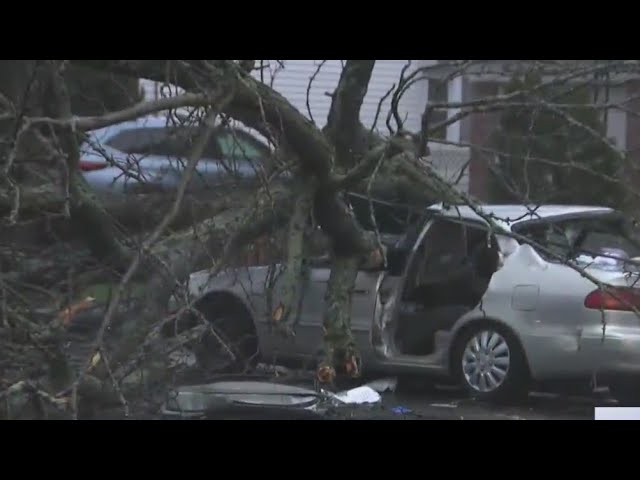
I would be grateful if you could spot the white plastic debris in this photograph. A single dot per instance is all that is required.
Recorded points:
(359, 395)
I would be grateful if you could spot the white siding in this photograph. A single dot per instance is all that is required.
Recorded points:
(292, 82)
(617, 118)
(452, 163)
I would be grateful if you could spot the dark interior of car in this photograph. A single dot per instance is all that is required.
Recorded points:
(448, 277)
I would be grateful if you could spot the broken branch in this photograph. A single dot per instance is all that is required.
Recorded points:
(285, 316)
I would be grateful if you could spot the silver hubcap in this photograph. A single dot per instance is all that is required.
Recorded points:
(485, 362)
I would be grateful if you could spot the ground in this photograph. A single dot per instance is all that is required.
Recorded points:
(409, 402)
(451, 404)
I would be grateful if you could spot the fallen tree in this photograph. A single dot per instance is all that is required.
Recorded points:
(40, 162)
(329, 161)
(342, 156)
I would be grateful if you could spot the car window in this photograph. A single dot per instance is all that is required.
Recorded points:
(239, 145)
(162, 141)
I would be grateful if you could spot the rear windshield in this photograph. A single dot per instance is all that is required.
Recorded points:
(604, 239)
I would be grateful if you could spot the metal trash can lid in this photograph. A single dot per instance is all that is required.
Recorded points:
(196, 399)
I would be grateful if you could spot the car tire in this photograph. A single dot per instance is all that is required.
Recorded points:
(500, 372)
(626, 391)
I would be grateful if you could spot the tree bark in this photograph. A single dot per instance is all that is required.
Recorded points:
(344, 128)
(285, 315)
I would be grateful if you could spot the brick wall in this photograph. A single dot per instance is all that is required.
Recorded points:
(479, 128)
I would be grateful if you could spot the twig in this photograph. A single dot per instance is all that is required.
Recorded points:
(372, 212)
(116, 386)
(131, 113)
(379, 107)
(395, 99)
(3, 305)
(313, 77)
(20, 126)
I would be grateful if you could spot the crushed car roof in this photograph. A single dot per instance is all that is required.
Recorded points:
(508, 215)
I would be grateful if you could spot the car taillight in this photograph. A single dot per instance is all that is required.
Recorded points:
(614, 298)
(88, 165)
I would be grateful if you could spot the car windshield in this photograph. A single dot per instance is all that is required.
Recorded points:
(608, 241)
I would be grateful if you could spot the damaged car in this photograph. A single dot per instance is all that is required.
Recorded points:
(496, 298)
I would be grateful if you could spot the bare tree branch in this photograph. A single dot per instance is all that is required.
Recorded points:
(139, 110)
(343, 122)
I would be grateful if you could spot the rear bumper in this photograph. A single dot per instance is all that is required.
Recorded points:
(617, 351)
(580, 354)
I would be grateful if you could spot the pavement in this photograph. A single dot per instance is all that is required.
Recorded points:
(452, 404)
(406, 400)
(412, 398)
(443, 405)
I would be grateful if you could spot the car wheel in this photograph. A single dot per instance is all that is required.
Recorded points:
(233, 343)
(239, 336)
(490, 363)
(626, 391)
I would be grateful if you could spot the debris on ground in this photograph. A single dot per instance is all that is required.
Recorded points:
(243, 397)
(444, 405)
(400, 410)
(199, 400)
(359, 395)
